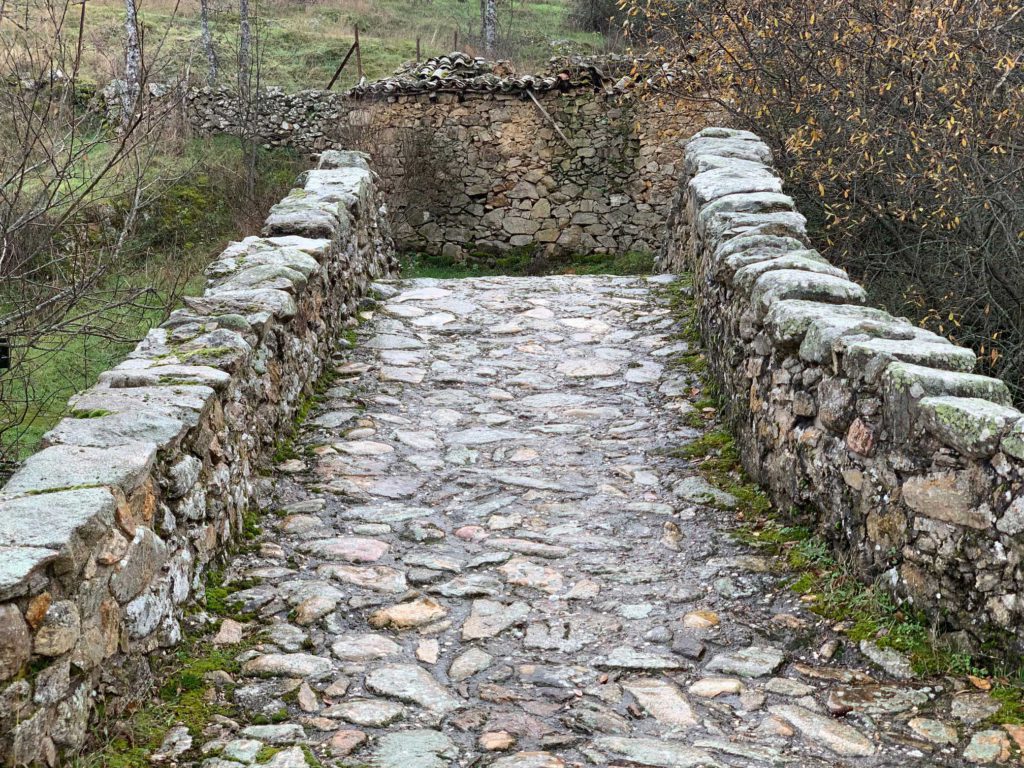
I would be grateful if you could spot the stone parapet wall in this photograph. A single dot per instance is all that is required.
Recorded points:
(106, 532)
(490, 171)
(913, 464)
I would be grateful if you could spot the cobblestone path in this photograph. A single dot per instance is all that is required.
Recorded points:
(485, 558)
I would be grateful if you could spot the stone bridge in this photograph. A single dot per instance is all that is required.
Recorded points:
(353, 520)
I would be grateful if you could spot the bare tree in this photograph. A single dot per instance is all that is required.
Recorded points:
(250, 53)
(71, 192)
(897, 126)
(132, 62)
(211, 53)
(244, 48)
(490, 25)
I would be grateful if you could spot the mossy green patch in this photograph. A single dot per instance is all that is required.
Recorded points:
(79, 487)
(185, 697)
(218, 599)
(90, 413)
(311, 759)
(1010, 695)
(266, 753)
(208, 352)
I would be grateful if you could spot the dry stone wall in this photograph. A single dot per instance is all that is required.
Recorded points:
(914, 464)
(105, 533)
(468, 171)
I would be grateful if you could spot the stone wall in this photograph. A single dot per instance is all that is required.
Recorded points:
(105, 533)
(913, 464)
(473, 171)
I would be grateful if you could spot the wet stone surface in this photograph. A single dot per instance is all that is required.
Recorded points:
(484, 557)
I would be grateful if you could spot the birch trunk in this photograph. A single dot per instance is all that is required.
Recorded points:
(211, 54)
(132, 62)
(244, 48)
(490, 26)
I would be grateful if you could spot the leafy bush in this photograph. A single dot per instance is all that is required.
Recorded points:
(897, 126)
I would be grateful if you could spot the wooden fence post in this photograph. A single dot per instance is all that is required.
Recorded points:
(341, 66)
(359, 56)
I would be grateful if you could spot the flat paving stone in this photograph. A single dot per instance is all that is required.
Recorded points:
(655, 752)
(421, 748)
(412, 684)
(365, 648)
(663, 701)
(838, 737)
(489, 618)
(747, 662)
(367, 712)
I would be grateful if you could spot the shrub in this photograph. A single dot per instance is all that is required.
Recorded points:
(897, 126)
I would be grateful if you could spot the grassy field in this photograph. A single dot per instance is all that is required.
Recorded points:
(303, 43)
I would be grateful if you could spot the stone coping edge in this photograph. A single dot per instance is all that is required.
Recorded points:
(106, 531)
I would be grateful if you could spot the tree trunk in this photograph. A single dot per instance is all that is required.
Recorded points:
(211, 54)
(132, 62)
(244, 48)
(247, 96)
(490, 25)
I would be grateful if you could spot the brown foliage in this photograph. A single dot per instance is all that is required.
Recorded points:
(898, 125)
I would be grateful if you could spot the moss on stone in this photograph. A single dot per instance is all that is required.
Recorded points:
(91, 413)
(311, 759)
(218, 596)
(79, 487)
(266, 753)
(208, 352)
(182, 699)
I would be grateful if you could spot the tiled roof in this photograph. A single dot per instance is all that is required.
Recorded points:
(459, 72)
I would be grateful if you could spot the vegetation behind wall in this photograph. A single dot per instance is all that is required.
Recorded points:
(897, 127)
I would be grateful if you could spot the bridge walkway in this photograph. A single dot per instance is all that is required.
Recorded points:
(486, 550)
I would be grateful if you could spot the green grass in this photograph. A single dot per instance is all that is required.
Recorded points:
(525, 261)
(303, 43)
(127, 741)
(285, 448)
(61, 366)
(181, 698)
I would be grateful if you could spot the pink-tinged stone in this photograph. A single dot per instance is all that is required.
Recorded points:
(860, 439)
(428, 651)
(415, 613)
(230, 633)
(471, 533)
(346, 741)
(497, 741)
(354, 549)
(377, 577)
(313, 609)
(523, 573)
